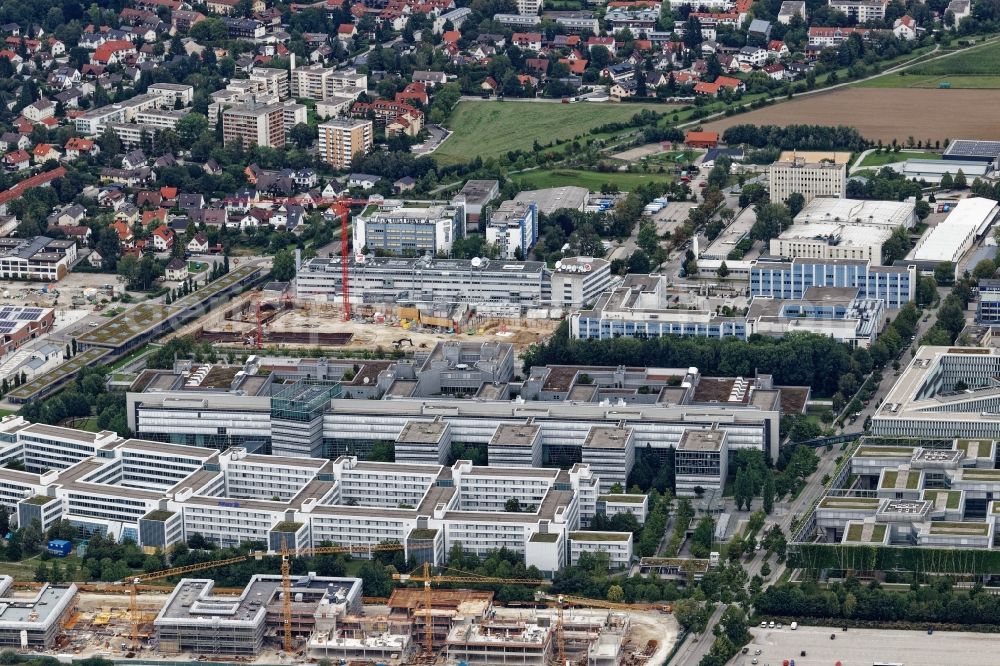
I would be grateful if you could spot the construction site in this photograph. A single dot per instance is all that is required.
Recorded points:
(272, 317)
(297, 618)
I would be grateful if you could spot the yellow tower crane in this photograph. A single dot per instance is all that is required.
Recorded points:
(427, 579)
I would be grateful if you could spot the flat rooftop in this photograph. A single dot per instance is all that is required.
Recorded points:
(601, 536)
(47, 603)
(607, 437)
(850, 503)
(64, 371)
(702, 440)
(422, 432)
(875, 451)
(510, 434)
(827, 210)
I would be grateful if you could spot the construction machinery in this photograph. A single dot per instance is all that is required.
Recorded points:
(466, 578)
(134, 581)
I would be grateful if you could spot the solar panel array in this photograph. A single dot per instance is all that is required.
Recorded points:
(12, 315)
(973, 148)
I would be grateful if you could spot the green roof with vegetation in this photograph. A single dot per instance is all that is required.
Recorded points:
(215, 287)
(288, 526)
(974, 529)
(975, 474)
(423, 533)
(869, 451)
(891, 478)
(122, 328)
(600, 536)
(158, 515)
(39, 499)
(849, 503)
(69, 368)
(953, 501)
(544, 537)
(855, 532)
(623, 497)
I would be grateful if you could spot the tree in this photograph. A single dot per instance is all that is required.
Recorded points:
(702, 538)
(768, 493)
(691, 615)
(984, 269)
(512, 505)
(772, 219)
(947, 182)
(302, 135)
(616, 594)
(959, 182)
(283, 267)
(944, 272)
(383, 451)
(191, 127)
(723, 270)
(795, 202)
(951, 317)
(647, 238)
(743, 489)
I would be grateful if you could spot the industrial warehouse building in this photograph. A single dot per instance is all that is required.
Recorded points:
(973, 150)
(948, 241)
(829, 228)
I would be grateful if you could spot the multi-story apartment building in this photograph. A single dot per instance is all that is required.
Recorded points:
(38, 258)
(861, 11)
(529, 7)
(172, 93)
(513, 227)
(342, 139)
(319, 82)
(824, 179)
(254, 125)
(272, 81)
(93, 121)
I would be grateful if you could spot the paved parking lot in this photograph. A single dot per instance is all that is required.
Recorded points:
(864, 647)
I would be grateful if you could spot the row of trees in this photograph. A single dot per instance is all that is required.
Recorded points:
(799, 359)
(850, 600)
(796, 137)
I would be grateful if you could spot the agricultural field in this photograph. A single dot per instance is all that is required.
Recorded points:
(926, 115)
(490, 129)
(977, 67)
(592, 180)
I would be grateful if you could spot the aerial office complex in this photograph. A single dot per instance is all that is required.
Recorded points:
(34, 622)
(896, 285)
(223, 406)
(640, 307)
(924, 401)
(486, 284)
(408, 231)
(159, 494)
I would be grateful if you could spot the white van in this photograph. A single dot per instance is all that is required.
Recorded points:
(793, 626)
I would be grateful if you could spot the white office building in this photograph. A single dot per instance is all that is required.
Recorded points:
(811, 180)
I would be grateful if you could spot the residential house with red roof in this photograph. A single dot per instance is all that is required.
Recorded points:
(17, 160)
(163, 238)
(113, 53)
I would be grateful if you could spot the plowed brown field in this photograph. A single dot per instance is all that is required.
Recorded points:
(887, 114)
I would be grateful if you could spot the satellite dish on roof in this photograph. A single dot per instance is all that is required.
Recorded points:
(476, 262)
(558, 264)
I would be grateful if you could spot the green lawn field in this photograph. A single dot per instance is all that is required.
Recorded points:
(880, 159)
(592, 180)
(489, 129)
(976, 67)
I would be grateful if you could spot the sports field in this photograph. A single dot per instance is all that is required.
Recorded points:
(976, 67)
(592, 180)
(489, 129)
